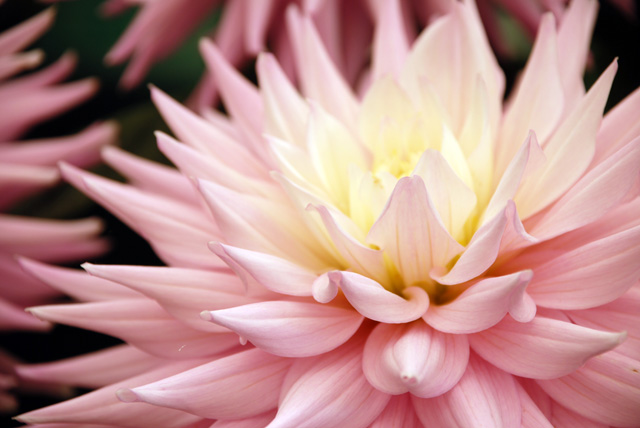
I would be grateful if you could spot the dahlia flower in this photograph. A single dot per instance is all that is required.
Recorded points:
(29, 166)
(423, 255)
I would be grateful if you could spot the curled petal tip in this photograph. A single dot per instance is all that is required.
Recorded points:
(206, 315)
(325, 288)
(127, 395)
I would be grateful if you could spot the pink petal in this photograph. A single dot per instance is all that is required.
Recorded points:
(619, 315)
(504, 232)
(38, 105)
(484, 304)
(276, 274)
(544, 348)
(76, 283)
(574, 38)
(290, 329)
(485, 396)
(141, 323)
(606, 390)
(410, 231)
(359, 257)
(569, 151)
(399, 413)
(204, 136)
(618, 127)
(320, 79)
(22, 35)
(240, 97)
(329, 390)
(526, 161)
(453, 200)
(590, 275)
(92, 370)
(258, 224)
(608, 183)
(286, 112)
(151, 176)
(414, 358)
(184, 293)
(375, 302)
(102, 405)
(390, 44)
(178, 232)
(241, 385)
(537, 102)
(14, 317)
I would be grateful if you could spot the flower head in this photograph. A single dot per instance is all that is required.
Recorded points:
(422, 255)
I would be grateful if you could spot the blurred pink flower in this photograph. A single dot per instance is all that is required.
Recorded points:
(421, 256)
(29, 166)
(248, 26)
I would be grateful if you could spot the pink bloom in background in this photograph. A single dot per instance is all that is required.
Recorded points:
(248, 26)
(30, 166)
(420, 255)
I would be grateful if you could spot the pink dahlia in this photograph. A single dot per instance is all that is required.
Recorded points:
(422, 256)
(30, 166)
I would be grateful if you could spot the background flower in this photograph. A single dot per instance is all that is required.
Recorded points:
(246, 27)
(329, 245)
(30, 166)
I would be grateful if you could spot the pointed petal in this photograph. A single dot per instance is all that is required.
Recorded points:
(590, 275)
(329, 390)
(92, 370)
(240, 97)
(183, 293)
(411, 233)
(414, 358)
(141, 323)
(544, 348)
(451, 197)
(241, 385)
(285, 110)
(619, 315)
(484, 304)
(290, 329)
(320, 78)
(537, 102)
(609, 390)
(504, 231)
(76, 283)
(360, 258)
(375, 302)
(178, 232)
(204, 136)
(260, 224)
(103, 406)
(151, 176)
(608, 183)
(390, 45)
(276, 274)
(485, 396)
(569, 151)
